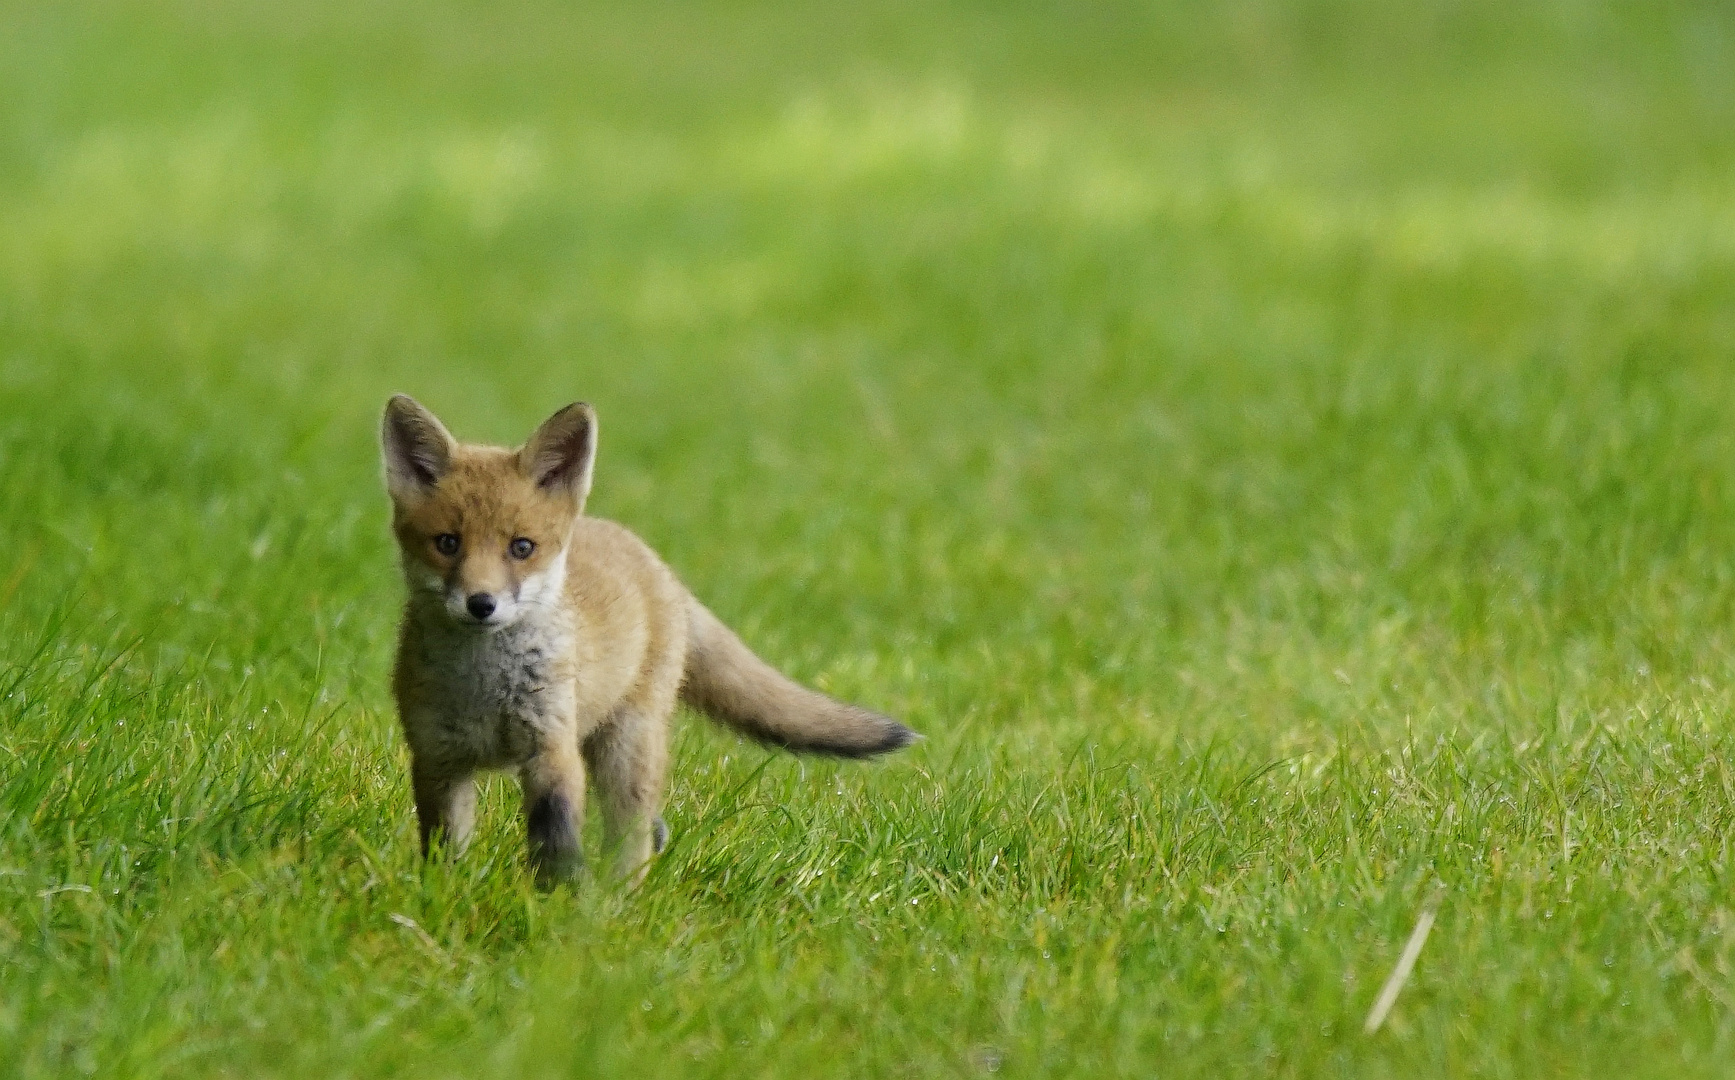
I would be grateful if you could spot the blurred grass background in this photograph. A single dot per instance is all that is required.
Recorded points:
(1276, 451)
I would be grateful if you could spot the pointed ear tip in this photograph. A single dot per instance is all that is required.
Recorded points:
(569, 419)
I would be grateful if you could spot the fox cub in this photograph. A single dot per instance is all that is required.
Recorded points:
(537, 639)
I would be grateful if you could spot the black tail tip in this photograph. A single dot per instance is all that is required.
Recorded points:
(869, 735)
(896, 737)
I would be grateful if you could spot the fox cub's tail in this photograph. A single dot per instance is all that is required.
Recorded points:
(727, 682)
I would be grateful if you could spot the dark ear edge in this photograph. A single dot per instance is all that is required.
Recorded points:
(562, 453)
(417, 448)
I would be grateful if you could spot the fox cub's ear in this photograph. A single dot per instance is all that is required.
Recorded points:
(417, 448)
(560, 456)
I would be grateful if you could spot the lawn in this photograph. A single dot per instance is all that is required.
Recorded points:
(1280, 455)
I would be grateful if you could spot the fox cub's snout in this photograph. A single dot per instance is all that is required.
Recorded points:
(538, 639)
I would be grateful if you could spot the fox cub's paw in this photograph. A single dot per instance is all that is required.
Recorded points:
(554, 850)
(659, 835)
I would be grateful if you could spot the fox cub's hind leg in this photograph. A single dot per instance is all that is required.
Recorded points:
(554, 813)
(628, 758)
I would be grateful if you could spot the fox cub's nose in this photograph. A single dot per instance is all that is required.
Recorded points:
(481, 606)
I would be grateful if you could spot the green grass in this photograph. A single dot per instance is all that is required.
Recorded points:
(1279, 454)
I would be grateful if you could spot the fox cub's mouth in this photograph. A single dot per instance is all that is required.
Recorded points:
(493, 622)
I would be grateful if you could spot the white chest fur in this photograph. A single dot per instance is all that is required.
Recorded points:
(492, 696)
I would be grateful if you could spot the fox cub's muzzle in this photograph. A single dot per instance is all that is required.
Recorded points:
(489, 609)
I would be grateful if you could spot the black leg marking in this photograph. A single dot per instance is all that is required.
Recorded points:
(659, 835)
(553, 845)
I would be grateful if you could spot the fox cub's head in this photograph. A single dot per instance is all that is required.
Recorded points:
(484, 529)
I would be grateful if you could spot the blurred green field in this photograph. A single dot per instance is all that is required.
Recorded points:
(1278, 452)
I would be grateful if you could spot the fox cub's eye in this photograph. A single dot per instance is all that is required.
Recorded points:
(521, 548)
(446, 544)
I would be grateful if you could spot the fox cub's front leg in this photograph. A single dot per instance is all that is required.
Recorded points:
(554, 813)
(445, 804)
